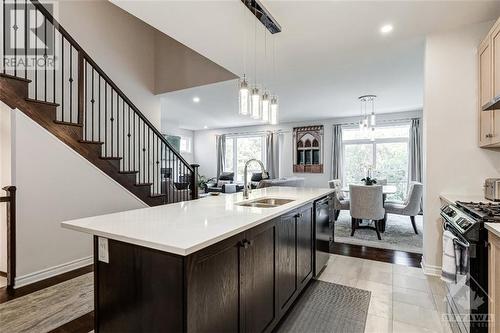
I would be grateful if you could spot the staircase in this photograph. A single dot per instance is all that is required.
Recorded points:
(72, 97)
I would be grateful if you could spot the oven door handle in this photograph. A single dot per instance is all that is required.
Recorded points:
(459, 240)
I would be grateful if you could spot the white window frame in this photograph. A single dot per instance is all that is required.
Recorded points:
(374, 145)
(235, 149)
(188, 144)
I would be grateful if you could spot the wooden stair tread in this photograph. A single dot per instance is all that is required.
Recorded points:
(157, 195)
(67, 123)
(41, 102)
(8, 76)
(91, 142)
(128, 172)
(110, 158)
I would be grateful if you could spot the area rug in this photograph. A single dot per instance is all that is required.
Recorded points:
(398, 235)
(328, 307)
(49, 308)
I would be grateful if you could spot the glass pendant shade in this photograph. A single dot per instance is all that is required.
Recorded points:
(273, 116)
(255, 103)
(372, 119)
(244, 98)
(266, 104)
(372, 134)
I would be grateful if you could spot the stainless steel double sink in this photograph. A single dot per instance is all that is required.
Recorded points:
(265, 203)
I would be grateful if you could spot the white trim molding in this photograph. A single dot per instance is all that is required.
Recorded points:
(46, 273)
(430, 269)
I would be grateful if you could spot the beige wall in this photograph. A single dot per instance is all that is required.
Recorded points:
(5, 177)
(179, 67)
(120, 44)
(453, 162)
(56, 184)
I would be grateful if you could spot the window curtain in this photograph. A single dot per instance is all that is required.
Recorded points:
(220, 141)
(337, 152)
(272, 155)
(415, 151)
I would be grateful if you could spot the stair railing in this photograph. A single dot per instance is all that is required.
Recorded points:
(86, 96)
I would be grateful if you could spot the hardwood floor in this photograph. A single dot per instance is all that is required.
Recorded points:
(372, 253)
(84, 324)
(8, 295)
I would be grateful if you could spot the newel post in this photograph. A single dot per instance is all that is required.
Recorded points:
(194, 181)
(11, 234)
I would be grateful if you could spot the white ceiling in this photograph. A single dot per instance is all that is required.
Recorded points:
(328, 54)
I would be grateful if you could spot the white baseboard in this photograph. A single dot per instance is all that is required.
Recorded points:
(30, 278)
(430, 269)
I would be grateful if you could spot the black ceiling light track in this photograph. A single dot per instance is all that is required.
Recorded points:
(262, 15)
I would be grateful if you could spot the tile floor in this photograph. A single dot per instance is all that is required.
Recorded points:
(403, 299)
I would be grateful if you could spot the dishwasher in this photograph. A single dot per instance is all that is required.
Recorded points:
(323, 222)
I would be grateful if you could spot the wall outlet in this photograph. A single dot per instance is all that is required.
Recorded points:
(102, 249)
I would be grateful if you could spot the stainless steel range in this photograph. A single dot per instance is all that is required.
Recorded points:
(467, 299)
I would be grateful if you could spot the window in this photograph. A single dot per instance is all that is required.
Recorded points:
(387, 155)
(185, 145)
(240, 149)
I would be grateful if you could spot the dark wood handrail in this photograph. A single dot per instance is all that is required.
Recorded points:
(11, 234)
(110, 82)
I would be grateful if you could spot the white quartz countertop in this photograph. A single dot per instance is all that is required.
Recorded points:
(186, 227)
(494, 228)
(452, 198)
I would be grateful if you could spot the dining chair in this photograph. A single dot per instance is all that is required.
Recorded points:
(367, 203)
(411, 206)
(340, 202)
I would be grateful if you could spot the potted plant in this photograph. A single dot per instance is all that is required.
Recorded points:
(368, 180)
(202, 182)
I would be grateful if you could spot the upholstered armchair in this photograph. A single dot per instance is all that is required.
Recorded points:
(411, 206)
(340, 202)
(367, 203)
(217, 184)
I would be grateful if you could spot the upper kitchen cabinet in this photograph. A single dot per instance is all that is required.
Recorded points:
(489, 88)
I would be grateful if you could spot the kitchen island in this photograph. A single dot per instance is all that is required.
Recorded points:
(217, 264)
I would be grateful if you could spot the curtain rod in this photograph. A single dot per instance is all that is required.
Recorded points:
(383, 121)
(258, 132)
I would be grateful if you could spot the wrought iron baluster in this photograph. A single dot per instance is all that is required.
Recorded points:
(36, 55)
(62, 81)
(129, 137)
(111, 125)
(105, 118)
(25, 39)
(117, 124)
(15, 27)
(92, 102)
(85, 99)
(123, 132)
(45, 55)
(99, 109)
(54, 63)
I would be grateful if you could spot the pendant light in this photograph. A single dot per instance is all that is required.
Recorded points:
(266, 107)
(273, 117)
(255, 97)
(244, 97)
(368, 121)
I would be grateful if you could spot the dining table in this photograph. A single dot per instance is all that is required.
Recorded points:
(386, 190)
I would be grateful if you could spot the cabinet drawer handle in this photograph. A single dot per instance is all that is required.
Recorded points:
(245, 243)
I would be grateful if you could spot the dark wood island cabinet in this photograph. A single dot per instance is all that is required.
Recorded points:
(245, 283)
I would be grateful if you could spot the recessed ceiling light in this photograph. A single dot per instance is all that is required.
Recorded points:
(205, 127)
(385, 29)
(196, 99)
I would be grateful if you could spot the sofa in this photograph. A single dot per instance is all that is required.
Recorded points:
(219, 184)
(287, 182)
